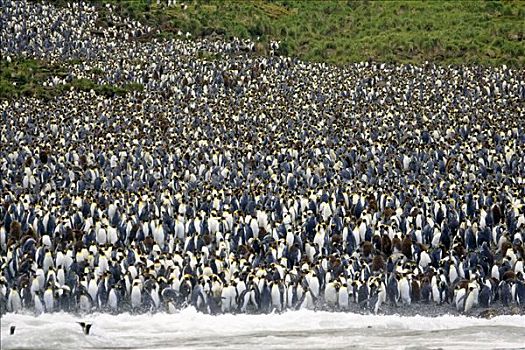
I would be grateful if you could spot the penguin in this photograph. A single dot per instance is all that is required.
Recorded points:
(266, 298)
(229, 298)
(381, 297)
(250, 300)
(136, 295)
(504, 291)
(343, 297)
(85, 303)
(471, 299)
(520, 291)
(404, 290)
(485, 296)
(86, 327)
(392, 289)
(113, 300)
(14, 301)
(331, 294)
(277, 296)
(363, 295)
(39, 307)
(308, 301)
(49, 299)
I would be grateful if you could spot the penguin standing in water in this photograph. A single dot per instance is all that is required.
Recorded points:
(85, 303)
(250, 299)
(460, 296)
(266, 298)
(363, 296)
(278, 296)
(343, 297)
(519, 294)
(504, 292)
(86, 327)
(404, 290)
(49, 298)
(229, 298)
(331, 294)
(199, 298)
(136, 295)
(115, 298)
(392, 289)
(381, 297)
(485, 296)
(308, 301)
(472, 298)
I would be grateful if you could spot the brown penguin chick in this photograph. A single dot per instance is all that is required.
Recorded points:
(416, 291)
(242, 250)
(79, 245)
(77, 235)
(496, 214)
(422, 247)
(504, 247)
(367, 248)
(388, 212)
(336, 267)
(69, 235)
(83, 161)
(425, 285)
(23, 282)
(463, 284)
(406, 247)
(43, 155)
(304, 260)
(386, 245)
(459, 249)
(450, 163)
(15, 230)
(332, 259)
(149, 242)
(247, 250)
(31, 232)
(207, 239)
(372, 203)
(396, 243)
(509, 275)
(519, 250)
(376, 242)
(378, 263)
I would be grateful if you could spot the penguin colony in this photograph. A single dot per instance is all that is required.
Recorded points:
(254, 184)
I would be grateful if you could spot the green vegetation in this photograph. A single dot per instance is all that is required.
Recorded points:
(25, 77)
(448, 32)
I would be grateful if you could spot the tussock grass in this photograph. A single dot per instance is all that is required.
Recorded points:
(447, 32)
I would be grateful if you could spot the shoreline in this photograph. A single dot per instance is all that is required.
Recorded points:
(415, 310)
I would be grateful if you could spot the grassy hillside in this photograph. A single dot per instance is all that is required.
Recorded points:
(472, 32)
(27, 77)
(445, 32)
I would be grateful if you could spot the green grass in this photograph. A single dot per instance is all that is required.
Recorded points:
(340, 32)
(26, 77)
(447, 32)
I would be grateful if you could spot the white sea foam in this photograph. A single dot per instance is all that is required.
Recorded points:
(299, 329)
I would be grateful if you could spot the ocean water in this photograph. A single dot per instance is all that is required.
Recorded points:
(297, 329)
